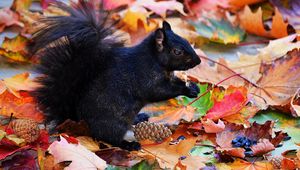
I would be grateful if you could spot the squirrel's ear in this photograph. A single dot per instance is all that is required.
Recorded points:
(159, 38)
(166, 25)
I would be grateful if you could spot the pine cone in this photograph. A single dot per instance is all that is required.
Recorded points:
(26, 129)
(152, 131)
(276, 161)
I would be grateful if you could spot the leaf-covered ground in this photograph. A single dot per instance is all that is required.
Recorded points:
(246, 115)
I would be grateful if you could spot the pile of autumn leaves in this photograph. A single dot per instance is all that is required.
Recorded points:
(232, 92)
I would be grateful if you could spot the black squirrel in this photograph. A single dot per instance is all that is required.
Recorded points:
(88, 74)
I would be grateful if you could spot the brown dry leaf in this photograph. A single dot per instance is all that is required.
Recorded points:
(167, 155)
(240, 164)
(279, 82)
(9, 18)
(263, 146)
(224, 139)
(89, 143)
(173, 116)
(253, 23)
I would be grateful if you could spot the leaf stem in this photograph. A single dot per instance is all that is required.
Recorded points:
(245, 79)
(208, 90)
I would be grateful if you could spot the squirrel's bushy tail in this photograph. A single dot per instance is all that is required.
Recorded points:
(73, 50)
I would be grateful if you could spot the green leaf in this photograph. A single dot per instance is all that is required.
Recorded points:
(285, 123)
(219, 31)
(204, 151)
(203, 104)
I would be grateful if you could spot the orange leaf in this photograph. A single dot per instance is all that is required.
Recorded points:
(175, 115)
(17, 83)
(14, 49)
(252, 22)
(240, 164)
(131, 19)
(212, 127)
(21, 5)
(237, 4)
(24, 107)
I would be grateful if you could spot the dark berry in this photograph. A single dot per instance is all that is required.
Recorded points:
(278, 145)
(237, 145)
(181, 138)
(248, 143)
(247, 148)
(248, 153)
(234, 141)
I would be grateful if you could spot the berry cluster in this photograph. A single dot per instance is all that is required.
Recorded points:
(244, 142)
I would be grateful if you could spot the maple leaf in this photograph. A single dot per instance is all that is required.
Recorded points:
(290, 11)
(230, 104)
(173, 114)
(212, 127)
(81, 157)
(14, 49)
(220, 31)
(9, 18)
(132, 18)
(197, 7)
(253, 23)
(21, 5)
(240, 164)
(168, 155)
(279, 82)
(203, 104)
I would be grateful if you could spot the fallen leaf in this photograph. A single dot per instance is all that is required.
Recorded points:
(81, 157)
(212, 127)
(231, 104)
(113, 4)
(24, 160)
(295, 104)
(175, 115)
(21, 5)
(243, 117)
(161, 7)
(240, 164)
(220, 31)
(118, 157)
(253, 23)
(236, 4)
(263, 146)
(9, 18)
(203, 104)
(132, 18)
(89, 143)
(14, 49)
(289, 12)
(195, 8)
(17, 83)
(279, 82)
(24, 107)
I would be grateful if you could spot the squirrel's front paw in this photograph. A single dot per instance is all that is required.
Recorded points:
(193, 90)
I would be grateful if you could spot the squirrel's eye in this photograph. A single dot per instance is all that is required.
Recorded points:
(177, 52)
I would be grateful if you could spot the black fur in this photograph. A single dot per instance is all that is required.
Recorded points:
(89, 75)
